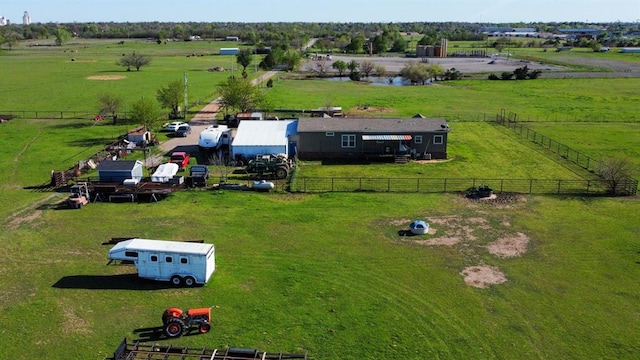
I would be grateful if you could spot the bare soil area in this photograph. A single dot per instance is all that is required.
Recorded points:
(106, 77)
(483, 276)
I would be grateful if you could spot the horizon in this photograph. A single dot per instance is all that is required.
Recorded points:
(331, 11)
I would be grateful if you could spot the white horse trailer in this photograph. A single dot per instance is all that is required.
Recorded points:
(182, 263)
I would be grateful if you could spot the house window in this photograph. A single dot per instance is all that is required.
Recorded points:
(329, 133)
(184, 260)
(418, 139)
(131, 253)
(438, 140)
(168, 259)
(154, 258)
(348, 141)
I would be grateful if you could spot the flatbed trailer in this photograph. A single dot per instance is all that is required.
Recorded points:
(151, 351)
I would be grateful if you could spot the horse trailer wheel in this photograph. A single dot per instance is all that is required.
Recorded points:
(176, 280)
(189, 281)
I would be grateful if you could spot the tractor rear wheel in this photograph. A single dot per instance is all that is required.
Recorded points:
(174, 328)
(205, 327)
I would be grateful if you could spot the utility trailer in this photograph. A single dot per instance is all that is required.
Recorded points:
(182, 263)
(151, 351)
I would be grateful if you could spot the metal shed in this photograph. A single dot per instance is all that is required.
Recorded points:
(119, 171)
(264, 137)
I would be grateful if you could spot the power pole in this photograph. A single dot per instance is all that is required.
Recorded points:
(186, 97)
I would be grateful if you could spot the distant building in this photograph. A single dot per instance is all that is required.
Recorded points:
(229, 51)
(26, 19)
(4, 21)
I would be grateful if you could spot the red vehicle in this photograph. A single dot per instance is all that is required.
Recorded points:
(181, 158)
(176, 321)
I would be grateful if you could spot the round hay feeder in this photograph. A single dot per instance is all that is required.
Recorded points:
(419, 227)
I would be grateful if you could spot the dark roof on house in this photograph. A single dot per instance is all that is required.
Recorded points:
(371, 125)
(123, 165)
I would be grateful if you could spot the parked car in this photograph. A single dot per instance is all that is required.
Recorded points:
(183, 130)
(173, 126)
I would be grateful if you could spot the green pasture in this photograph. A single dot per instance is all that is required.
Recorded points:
(44, 78)
(326, 274)
(540, 100)
(329, 275)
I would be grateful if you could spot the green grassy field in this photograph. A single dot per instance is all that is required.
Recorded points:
(328, 273)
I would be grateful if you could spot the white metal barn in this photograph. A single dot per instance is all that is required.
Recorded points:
(179, 262)
(255, 137)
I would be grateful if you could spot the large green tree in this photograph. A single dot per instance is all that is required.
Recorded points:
(239, 94)
(145, 112)
(62, 36)
(243, 58)
(339, 65)
(291, 60)
(170, 98)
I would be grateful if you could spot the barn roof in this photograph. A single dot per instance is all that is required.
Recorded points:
(264, 133)
(372, 125)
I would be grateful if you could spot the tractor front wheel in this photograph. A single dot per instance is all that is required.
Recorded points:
(204, 328)
(174, 328)
(282, 172)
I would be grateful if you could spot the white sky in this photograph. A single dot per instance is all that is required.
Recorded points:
(321, 10)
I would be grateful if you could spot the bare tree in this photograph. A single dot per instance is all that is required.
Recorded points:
(321, 66)
(109, 104)
(134, 60)
(367, 66)
(615, 171)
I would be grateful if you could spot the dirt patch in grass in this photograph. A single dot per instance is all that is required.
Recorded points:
(472, 236)
(508, 247)
(483, 276)
(106, 77)
(366, 111)
(72, 323)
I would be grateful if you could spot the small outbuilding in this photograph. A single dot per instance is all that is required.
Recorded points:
(255, 137)
(117, 171)
(139, 136)
(229, 51)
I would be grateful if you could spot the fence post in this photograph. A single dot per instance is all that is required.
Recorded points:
(501, 184)
(304, 185)
(530, 186)
(418, 185)
(559, 181)
(360, 179)
(388, 184)
(331, 184)
(445, 185)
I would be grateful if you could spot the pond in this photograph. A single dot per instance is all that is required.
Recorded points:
(375, 80)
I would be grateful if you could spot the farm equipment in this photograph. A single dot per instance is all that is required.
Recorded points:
(79, 196)
(277, 165)
(175, 321)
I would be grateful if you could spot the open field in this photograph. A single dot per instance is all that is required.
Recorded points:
(525, 277)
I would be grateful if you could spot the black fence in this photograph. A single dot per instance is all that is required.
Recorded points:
(624, 184)
(444, 185)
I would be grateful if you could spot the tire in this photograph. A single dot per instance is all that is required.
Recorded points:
(282, 172)
(189, 281)
(176, 280)
(174, 328)
(171, 313)
(204, 328)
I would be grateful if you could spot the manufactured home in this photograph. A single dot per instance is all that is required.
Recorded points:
(181, 263)
(229, 51)
(372, 138)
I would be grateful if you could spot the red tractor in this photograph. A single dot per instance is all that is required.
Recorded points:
(176, 321)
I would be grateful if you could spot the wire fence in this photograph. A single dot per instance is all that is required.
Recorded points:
(622, 184)
(448, 185)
